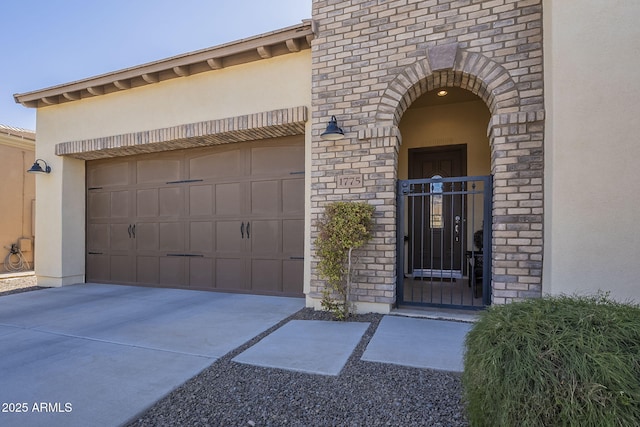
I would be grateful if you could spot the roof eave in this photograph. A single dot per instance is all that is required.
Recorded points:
(275, 43)
(17, 133)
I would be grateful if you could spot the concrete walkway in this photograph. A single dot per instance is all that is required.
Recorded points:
(100, 354)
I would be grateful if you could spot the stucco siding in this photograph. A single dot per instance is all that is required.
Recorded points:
(592, 235)
(17, 193)
(270, 84)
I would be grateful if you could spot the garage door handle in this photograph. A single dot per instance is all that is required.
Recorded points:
(248, 225)
(242, 230)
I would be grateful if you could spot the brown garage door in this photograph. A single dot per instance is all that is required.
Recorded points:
(226, 218)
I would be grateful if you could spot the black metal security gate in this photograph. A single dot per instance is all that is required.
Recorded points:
(444, 242)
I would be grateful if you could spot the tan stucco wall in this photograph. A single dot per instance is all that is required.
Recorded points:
(17, 192)
(279, 82)
(592, 236)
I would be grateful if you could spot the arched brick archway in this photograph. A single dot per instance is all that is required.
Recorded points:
(516, 139)
(448, 66)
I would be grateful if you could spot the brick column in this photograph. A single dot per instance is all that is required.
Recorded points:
(374, 155)
(517, 165)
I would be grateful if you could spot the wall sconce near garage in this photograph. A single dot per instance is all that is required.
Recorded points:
(36, 168)
(333, 132)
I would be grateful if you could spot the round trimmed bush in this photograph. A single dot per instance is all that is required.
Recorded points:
(558, 361)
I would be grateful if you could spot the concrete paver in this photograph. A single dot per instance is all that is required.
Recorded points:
(312, 346)
(421, 343)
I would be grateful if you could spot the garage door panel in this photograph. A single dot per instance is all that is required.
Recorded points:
(265, 236)
(158, 171)
(292, 276)
(120, 204)
(108, 175)
(224, 164)
(228, 236)
(171, 237)
(170, 201)
(147, 203)
(265, 199)
(98, 205)
(277, 160)
(229, 199)
(98, 237)
(201, 238)
(266, 275)
(123, 269)
(98, 268)
(230, 273)
(147, 236)
(119, 237)
(201, 273)
(172, 271)
(201, 200)
(293, 197)
(293, 236)
(147, 270)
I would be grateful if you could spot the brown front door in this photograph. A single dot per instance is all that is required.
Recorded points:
(436, 221)
(227, 218)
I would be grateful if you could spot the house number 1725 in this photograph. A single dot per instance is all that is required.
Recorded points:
(349, 181)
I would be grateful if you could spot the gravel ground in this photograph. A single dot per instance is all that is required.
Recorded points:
(364, 394)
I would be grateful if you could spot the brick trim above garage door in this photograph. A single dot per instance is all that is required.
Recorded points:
(250, 127)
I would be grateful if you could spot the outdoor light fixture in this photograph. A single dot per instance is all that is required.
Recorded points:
(443, 93)
(36, 168)
(333, 132)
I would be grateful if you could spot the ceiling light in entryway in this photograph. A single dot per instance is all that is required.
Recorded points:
(442, 93)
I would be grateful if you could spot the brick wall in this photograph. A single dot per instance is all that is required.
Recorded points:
(371, 60)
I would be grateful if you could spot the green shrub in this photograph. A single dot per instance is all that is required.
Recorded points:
(561, 361)
(345, 226)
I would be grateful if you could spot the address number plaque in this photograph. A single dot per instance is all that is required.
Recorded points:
(350, 181)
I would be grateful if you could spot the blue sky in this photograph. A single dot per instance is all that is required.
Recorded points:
(49, 42)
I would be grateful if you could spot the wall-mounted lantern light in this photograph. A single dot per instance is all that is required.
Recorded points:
(36, 168)
(333, 132)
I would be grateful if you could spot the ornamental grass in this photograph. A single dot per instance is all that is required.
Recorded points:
(557, 361)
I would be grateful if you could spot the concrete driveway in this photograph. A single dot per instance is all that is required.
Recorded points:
(101, 354)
